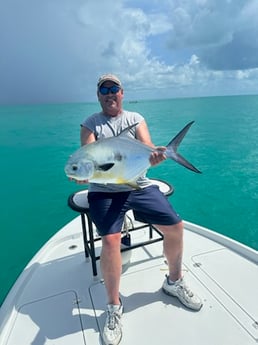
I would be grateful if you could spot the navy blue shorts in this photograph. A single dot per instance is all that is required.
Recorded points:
(149, 205)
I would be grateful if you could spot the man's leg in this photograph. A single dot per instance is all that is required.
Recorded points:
(111, 266)
(174, 284)
(107, 212)
(173, 248)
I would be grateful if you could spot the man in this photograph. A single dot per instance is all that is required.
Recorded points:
(108, 204)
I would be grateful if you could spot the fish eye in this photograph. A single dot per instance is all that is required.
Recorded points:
(74, 167)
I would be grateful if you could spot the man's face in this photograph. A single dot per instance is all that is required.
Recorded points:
(111, 103)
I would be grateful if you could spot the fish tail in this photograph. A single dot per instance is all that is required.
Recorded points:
(171, 151)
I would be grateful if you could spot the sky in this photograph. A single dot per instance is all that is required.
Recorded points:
(54, 51)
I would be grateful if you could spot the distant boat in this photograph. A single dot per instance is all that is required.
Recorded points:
(57, 300)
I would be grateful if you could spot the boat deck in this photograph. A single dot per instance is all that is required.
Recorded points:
(57, 301)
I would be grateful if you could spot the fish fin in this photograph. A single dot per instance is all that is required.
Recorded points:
(127, 129)
(172, 153)
(105, 167)
(133, 184)
(182, 161)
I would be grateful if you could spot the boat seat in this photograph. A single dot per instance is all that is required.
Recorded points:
(78, 202)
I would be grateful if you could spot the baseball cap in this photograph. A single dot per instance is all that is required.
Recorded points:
(109, 77)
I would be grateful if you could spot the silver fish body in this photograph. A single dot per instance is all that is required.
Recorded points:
(119, 159)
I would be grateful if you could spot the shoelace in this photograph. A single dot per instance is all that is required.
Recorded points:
(186, 289)
(113, 319)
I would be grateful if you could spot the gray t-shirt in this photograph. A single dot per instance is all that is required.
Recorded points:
(104, 126)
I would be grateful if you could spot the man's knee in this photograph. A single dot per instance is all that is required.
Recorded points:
(176, 229)
(112, 240)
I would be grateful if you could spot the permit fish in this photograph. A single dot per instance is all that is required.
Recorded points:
(120, 159)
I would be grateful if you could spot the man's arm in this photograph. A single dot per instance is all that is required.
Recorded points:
(87, 136)
(143, 134)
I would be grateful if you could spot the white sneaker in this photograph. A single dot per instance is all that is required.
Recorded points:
(180, 290)
(112, 333)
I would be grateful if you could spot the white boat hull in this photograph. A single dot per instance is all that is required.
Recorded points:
(56, 300)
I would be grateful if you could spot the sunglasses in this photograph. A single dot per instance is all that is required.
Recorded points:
(113, 89)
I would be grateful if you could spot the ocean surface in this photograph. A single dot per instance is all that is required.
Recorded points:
(37, 140)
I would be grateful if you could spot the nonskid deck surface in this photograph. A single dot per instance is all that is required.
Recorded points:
(62, 304)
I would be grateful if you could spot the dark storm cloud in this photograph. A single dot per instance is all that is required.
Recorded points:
(54, 50)
(40, 55)
(239, 54)
(224, 34)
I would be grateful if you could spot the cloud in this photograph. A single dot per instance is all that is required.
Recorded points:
(222, 33)
(54, 50)
(40, 52)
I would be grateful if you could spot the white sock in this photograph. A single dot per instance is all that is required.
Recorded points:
(171, 282)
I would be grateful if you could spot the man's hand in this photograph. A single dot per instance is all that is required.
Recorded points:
(158, 155)
(78, 182)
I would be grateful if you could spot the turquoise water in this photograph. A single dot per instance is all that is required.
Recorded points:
(37, 140)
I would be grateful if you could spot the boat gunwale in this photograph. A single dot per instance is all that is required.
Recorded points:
(237, 247)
